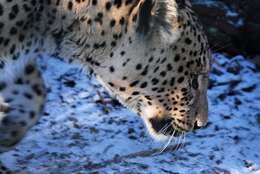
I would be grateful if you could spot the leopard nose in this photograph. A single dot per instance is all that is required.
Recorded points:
(197, 126)
(201, 120)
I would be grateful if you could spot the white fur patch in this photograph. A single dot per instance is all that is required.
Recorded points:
(170, 38)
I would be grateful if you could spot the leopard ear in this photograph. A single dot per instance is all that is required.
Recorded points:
(159, 16)
(145, 17)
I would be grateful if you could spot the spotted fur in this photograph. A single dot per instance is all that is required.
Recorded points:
(152, 55)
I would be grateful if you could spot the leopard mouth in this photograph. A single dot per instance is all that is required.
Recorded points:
(165, 127)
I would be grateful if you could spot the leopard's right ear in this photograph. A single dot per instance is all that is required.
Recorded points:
(145, 16)
(158, 16)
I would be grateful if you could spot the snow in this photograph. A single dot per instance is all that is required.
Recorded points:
(77, 134)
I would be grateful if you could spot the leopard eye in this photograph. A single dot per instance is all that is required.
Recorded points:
(194, 82)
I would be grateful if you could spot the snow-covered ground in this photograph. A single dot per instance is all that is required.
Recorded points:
(78, 135)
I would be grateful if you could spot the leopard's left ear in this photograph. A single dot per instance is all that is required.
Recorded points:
(158, 16)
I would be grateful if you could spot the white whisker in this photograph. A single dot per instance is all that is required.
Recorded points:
(165, 127)
(177, 143)
(181, 141)
(167, 144)
(184, 140)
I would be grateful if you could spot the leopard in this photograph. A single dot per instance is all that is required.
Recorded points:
(153, 56)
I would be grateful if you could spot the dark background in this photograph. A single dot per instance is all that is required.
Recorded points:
(232, 26)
